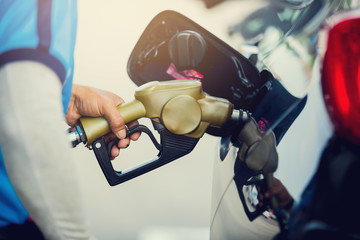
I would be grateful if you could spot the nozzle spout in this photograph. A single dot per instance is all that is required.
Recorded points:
(76, 135)
(240, 116)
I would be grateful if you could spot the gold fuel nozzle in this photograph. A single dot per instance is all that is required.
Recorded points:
(180, 105)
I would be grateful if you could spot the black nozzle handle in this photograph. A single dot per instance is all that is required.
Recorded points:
(171, 146)
(243, 176)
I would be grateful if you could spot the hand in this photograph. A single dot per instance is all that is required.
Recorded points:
(278, 191)
(92, 102)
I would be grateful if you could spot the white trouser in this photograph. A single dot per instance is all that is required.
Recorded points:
(36, 152)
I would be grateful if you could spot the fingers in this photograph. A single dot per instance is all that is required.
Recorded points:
(135, 136)
(123, 143)
(115, 150)
(116, 121)
(114, 153)
(112, 115)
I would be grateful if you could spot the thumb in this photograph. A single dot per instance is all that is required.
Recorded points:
(116, 121)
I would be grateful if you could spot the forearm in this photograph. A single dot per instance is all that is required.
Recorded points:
(36, 152)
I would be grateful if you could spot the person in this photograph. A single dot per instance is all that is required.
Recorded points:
(39, 194)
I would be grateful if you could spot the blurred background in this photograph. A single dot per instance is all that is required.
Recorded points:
(172, 202)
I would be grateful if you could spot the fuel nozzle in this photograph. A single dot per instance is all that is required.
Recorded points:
(181, 113)
(180, 106)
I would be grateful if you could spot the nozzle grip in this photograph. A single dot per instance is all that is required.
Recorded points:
(242, 177)
(172, 147)
(96, 127)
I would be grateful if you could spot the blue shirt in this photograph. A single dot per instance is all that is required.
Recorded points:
(42, 31)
